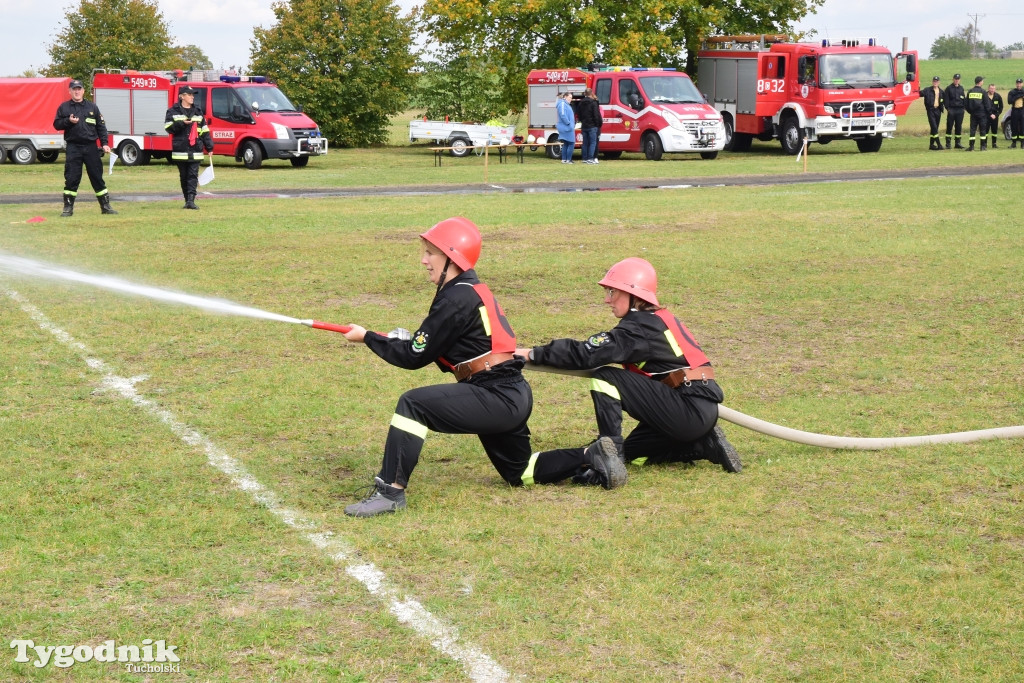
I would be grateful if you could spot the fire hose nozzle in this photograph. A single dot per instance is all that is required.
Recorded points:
(316, 324)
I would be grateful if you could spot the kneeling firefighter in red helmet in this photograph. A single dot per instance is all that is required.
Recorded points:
(666, 382)
(465, 333)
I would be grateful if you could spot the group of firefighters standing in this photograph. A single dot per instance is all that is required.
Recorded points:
(983, 106)
(83, 127)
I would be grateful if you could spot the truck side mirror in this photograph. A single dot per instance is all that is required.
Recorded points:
(911, 67)
(801, 69)
(237, 113)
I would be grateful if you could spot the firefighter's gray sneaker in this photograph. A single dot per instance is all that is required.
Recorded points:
(721, 452)
(384, 499)
(606, 460)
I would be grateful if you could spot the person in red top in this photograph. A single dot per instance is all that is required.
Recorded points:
(467, 334)
(666, 383)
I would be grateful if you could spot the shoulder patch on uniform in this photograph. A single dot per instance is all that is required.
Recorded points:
(597, 340)
(419, 341)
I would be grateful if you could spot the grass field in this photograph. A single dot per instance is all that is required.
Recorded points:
(870, 308)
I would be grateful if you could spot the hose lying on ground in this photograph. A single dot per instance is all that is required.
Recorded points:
(827, 441)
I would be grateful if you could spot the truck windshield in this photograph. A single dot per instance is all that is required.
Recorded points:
(265, 98)
(857, 71)
(671, 90)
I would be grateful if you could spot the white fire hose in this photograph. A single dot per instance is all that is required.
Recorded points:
(827, 441)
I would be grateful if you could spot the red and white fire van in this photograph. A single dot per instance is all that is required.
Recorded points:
(250, 118)
(647, 110)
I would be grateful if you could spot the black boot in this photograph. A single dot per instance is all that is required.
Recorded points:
(105, 205)
(190, 202)
(983, 145)
(69, 206)
(1013, 144)
(947, 142)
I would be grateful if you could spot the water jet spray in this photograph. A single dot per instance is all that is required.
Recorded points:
(23, 266)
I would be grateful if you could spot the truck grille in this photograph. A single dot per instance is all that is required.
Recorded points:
(859, 108)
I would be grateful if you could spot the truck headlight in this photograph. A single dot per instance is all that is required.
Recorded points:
(281, 131)
(672, 119)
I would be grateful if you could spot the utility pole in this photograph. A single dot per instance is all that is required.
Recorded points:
(974, 36)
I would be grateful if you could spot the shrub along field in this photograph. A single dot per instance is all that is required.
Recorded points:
(875, 308)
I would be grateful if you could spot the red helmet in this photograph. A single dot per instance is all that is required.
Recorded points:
(634, 276)
(459, 240)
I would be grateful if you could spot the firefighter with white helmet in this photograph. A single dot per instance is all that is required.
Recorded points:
(465, 333)
(666, 383)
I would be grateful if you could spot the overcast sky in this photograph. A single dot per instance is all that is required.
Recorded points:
(223, 28)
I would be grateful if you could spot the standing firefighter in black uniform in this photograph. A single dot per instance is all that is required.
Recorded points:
(995, 101)
(934, 105)
(465, 333)
(667, 383)
(980, 109)
(1015, 100)
(189, 137)
(83, 125)
(956, 99)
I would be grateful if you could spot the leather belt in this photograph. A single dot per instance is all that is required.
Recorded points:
(688, 375)
(481, 364)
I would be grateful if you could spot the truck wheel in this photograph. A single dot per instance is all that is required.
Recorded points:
(553, 150)
(460, 147)
(741, 142)
(791, 137)
(652, 147)
(709, 155)
(23, 153)
(252, 155)
(1007, 132)
(48, 156)
(871, 144)
(730, 132)
(611, 155)
(131, 155)
(299, 162)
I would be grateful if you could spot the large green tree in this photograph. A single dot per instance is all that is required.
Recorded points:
(111, 33)
(954, 46)
(522, 34)
(458, 83)
(347, 62)
(191, 57)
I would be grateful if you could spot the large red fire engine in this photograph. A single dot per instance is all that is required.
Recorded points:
(250, 118)
(644, 110)
(766, 88)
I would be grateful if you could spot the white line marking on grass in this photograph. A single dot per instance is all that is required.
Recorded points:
(478, 665)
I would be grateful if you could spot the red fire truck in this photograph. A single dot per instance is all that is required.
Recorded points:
(643, 109)
(766, 87)
(250, 118)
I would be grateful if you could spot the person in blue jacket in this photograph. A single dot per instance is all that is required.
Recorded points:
(566, 126)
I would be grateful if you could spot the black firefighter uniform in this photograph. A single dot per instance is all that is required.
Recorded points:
(190, 136)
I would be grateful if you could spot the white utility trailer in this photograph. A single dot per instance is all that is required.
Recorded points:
(461, 137)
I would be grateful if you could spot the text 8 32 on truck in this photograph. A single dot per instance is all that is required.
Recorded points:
(250, 118)
(649, 110)
(768, 88)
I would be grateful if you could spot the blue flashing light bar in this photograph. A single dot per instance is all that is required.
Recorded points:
(230, 79)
